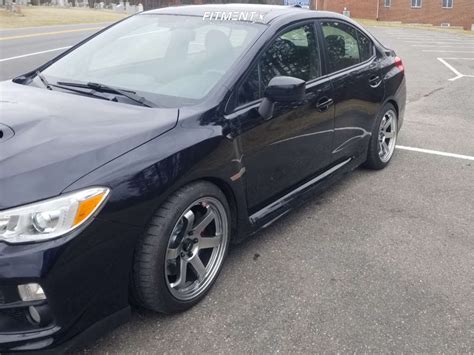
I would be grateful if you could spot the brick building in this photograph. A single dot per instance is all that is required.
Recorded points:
(153, 4)
(435, 12)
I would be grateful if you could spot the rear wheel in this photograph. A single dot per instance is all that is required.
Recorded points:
(179, 258)
(383, 140)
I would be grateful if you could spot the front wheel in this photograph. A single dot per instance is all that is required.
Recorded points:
(179, 258)
(383, 140)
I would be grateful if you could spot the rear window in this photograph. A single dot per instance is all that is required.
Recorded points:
(345, 45)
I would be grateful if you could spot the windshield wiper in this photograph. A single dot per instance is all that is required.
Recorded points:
(113, 90)
(50, 86)
(43, 80)
(89, 92)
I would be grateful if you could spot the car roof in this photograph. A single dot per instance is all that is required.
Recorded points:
(268, 12)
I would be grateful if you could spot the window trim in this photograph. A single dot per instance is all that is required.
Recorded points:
(416, 6)
(286, 28)
(447, 2)
(324, 49)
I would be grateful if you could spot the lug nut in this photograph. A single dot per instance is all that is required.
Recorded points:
(182, 255)
(190, 254)
(195, 240)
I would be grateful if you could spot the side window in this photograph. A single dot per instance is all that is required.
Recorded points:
(366, 46)
(293, 53)
(341, 44)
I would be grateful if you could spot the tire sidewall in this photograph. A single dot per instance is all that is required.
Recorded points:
(157, 237)
(373, 158)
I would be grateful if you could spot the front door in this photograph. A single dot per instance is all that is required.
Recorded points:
(295, 143)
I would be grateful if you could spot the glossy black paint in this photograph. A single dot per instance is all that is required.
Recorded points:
(285, 89)
(64, 142)
(53, 143)
(281, 89)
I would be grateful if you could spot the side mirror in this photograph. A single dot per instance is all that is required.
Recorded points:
(284, 89)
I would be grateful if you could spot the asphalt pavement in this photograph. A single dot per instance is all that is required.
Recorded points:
(22, 50)
(381, 262)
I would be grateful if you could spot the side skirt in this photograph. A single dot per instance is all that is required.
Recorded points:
(277, 209)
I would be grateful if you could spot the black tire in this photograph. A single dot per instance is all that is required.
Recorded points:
(150, 283)
(374, 160)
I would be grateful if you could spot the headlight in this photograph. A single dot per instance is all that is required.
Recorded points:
(51, 218)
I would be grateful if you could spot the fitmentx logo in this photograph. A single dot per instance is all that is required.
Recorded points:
(251, 16)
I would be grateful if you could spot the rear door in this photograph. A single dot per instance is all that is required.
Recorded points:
(354, 69)
(295, 143)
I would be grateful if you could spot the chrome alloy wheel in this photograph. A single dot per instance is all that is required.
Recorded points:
(387, 135)
(196, 248)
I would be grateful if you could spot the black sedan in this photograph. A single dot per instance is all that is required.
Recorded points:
(130, 163)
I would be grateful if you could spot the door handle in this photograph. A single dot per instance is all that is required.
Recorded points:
(375, 81)
(324, 103)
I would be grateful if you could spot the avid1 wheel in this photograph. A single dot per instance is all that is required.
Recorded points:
(182, 253)
(383, 140)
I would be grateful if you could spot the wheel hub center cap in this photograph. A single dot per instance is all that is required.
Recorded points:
(187, 245)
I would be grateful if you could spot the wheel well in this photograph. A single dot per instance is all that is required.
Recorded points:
(226, 190)
(231, 200)
(394, 103)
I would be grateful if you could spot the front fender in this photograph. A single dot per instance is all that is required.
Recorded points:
(142, 179)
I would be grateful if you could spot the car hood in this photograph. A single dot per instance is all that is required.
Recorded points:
(49, 139)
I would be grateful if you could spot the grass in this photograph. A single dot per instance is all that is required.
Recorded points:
(32, 16)
(366, 22)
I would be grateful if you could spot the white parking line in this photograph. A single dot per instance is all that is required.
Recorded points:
(459, 58)
(454, 70)
(438, 39)
(440, 42)
(416, 38)
(435, 152)
(463, 46)
(445, 51)
(35, 53)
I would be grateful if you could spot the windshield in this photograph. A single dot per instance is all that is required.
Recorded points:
(172, 60)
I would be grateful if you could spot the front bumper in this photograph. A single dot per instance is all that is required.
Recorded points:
(85, 277)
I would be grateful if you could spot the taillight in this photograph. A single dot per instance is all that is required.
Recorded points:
(399, 63)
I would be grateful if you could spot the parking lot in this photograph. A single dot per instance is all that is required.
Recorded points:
(382, 261)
